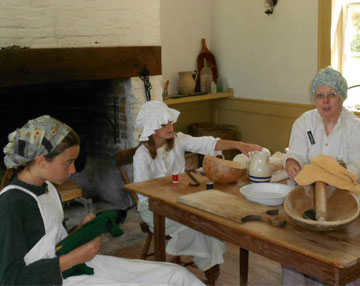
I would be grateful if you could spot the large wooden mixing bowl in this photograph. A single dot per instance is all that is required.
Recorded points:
(342, 209)
(222, 171)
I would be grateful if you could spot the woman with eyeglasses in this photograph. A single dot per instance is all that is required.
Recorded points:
(330, 129)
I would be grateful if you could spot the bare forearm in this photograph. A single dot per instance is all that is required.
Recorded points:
(241, 146)
(228, 145)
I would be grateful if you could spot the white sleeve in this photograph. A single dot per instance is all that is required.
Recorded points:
(204, 145)
(141, 164)
(298, 149)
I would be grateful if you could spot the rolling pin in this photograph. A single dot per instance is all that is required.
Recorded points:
(320, 201)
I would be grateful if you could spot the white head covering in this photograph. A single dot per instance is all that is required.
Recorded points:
(152, 115)
(37, 137)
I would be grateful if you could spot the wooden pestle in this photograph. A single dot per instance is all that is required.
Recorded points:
(320, 201)
(312, 196)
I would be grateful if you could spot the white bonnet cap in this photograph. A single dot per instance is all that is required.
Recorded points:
(152, 115)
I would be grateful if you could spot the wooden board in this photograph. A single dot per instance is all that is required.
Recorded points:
(38, 66)
(228, 206)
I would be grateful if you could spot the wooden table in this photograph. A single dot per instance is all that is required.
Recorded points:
(332, 257)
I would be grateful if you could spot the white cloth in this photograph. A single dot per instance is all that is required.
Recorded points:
(152, 115)
(207, 251)
(343, 143)
(107, 270)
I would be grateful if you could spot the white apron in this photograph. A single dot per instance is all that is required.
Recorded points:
(51, 212)
(108, 270)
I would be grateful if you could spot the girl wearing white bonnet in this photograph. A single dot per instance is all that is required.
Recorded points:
(329, 129)
(162, 153)
(38, 154)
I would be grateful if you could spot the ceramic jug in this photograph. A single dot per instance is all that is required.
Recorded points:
(186, 82)
(259, 167)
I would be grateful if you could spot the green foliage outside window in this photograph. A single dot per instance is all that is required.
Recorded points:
(355, 20)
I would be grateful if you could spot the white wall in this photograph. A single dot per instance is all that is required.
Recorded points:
(265, 57)
(183, 24)
(79, 23)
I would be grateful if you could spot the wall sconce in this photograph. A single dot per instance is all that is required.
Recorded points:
(269, 6)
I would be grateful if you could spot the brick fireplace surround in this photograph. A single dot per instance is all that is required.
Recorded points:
(97, 91)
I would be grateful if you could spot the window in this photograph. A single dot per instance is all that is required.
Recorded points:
(339, 42)
(351, 52)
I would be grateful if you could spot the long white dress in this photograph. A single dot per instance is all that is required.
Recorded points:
(207, 251)
(108, 270)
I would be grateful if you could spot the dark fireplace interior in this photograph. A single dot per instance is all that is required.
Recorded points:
(79, 86)
(86, 106)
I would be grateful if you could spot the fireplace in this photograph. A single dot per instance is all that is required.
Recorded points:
(97, 91)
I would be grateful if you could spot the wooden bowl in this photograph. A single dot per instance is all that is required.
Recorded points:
(222, 171)
(342, 209)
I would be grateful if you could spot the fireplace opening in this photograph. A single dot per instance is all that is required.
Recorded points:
(94, 109)
(95, 90)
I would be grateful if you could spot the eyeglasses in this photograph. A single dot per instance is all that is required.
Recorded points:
(329, 95)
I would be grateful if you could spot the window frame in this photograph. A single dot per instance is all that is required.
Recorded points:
(324, 33)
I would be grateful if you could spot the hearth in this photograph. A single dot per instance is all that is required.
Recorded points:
(100, 105)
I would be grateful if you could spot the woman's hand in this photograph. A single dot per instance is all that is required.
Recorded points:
(292, 167)
(87, 218)
(80, 254)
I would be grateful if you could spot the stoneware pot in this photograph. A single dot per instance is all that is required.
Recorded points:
(186, 83)
(259, 167)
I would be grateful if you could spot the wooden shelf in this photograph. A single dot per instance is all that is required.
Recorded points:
(193, 98)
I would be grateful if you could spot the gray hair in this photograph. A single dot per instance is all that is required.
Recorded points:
(330, 77)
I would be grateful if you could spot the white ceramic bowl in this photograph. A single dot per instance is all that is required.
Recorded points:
(268, 194)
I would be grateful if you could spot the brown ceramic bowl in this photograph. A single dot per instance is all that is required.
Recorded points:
(342, 209)
(222, 171)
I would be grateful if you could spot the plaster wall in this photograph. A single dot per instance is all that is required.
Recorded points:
(80, 23)
(263, 57)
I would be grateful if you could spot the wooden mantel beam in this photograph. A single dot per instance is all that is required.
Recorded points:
(37, 66)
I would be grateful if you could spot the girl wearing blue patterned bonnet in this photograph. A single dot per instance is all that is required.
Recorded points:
(38, 154)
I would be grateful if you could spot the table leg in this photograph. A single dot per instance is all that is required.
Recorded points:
(159, 237)
(244, 265)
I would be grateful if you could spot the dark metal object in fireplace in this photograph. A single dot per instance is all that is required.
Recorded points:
(144, 75)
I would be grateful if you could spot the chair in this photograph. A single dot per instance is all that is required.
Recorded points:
(122, 158)
(125, 157)
(69, 191)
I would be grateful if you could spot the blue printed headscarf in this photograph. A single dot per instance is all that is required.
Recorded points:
(37, 137)
(330, 77)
